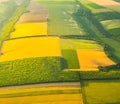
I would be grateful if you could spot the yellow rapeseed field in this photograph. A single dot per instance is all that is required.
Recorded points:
(44, 99)
(30, 47)
(39, 97)
(89, 60)
(29, 29)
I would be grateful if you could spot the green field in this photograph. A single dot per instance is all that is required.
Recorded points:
(71, 58)
(60, 21)
(110, 15)
(101, 92)
(117, 0)
(95, 8)
(6, 13)
(110, 24)
(115, 31)
(79, 44)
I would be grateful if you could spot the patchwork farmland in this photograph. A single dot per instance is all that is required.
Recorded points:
(54, 51)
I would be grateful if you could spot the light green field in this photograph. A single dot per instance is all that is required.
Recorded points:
(79, 44)
(102, 92)
(114, 8)
(60, 21)
(95, 8)
(110, 24)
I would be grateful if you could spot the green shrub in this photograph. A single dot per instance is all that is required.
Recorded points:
(111, 67)
(34, 70)
(99, 75)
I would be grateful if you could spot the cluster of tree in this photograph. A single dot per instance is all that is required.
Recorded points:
(34, 70)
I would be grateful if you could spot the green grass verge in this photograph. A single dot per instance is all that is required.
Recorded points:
(101, 92)
(71, 58)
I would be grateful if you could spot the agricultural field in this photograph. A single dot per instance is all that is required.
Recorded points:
(92, 59)
(110, 25)
(97, 29)
(78, 54)
(6, 13)
(60, 20)
(101, 92)
(58, 51)
(110, 4)
(29, 29)
(79, 44)
(28, 47)
(36, 13)
(71, 59)
(95, 8)
(57, 93)
(117, 0)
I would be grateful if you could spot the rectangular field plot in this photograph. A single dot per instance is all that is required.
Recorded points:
(30, 47)
(71, 58)
(29, 29)
(48, 93)
(37, 13)
(79, 44)
(111, 24)
(60, 20)
(110, 4)
(45, 99)
(102, 92)
(89, 60)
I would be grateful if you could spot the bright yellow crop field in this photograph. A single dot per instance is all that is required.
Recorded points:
(89, 60)
(42, 94)
(30, 47)
(44, 99)
(29, 29)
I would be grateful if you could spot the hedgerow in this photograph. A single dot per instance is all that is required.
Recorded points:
(99, 75)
